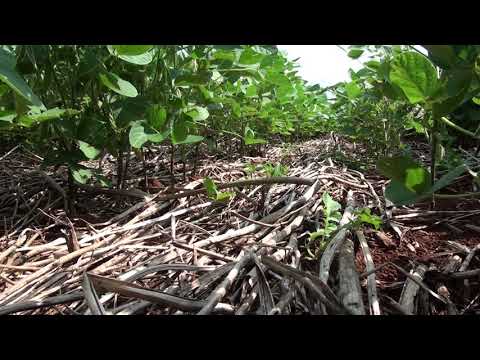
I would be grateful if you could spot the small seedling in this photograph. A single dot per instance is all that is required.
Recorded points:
(214, 194)
(275, 171)
(364, 216)
(331, 217)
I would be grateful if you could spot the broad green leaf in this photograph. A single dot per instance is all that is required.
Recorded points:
(7, 59)
(397, 193)
(353, 90)
(130, 110)
(373, 64)
(476, 100)
(81, 174)
(415, 75)
(250, 139)
(458, 81)
(448, 105)
(365, 216)
(131, 50)
(187, 79)
(157, 116)
(160, 137)
(117, 84)
(442, 55)
(11, 78)
(250, 57)
(89, 151)
(191, 139)
(179, 131)
(236, 109)
(143, 59)
(278, 79)
(224, 55)
(8, 116)
(210, 187)
(407, 172)
(355, 53)
(330, 205)
(251, 91)
(104, 182)
(224, 195)
(198, 113)
(137, 135)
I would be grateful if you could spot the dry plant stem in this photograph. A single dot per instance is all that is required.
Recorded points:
(30, 278)
(218, 294)
(349, 289)
(242, 183)
(315, 285)
(469, 258)
(407, 298)
(202, 251)
(371, 279)
(157, 297)
(20, 241)
(397, 306)
(31, 305)
(91, 297)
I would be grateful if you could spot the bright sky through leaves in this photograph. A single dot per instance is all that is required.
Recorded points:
(324, 64)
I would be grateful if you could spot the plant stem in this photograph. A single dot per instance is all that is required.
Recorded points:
(459, 128)
(171, 163)
(433, 151)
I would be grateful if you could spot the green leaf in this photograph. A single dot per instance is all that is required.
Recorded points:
(156, 116)
(373, 64)
(104, 182)
(137, 135)
(80, 173)
(448, 105)
(250, 139)
(224, 195)
(353, 90)
(191, 139)
(143, 59)
(160, 137)
(330, 205)
(8, 116)
(476, 100)
(179, 132)
(11, 78)
(407, 172)
(7, 59)
(117, 84)
(188, 79)
(250, 57)
(251, 91)
(365, 216)
(88, 150)
(397, 193)
(130, 110)
(131, 49)
(415, 75)
(236, 109)
(442, 55)
(458, 81)
(211, 188)
(198, 113)
(355, 53)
